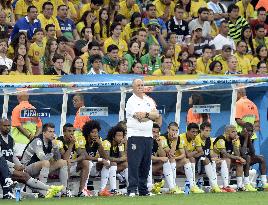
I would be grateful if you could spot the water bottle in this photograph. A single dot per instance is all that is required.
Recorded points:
(187, 187)
(200, 183)
(18, 193)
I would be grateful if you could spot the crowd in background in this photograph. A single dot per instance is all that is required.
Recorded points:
(160, 37)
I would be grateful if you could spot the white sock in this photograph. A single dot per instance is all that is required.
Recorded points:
(252, 176)
(189, 174)
(90, 165)
(173, 167)
(246, 180)
(150, 178)
(210, 175)
(104, 177)
(193, 169)
(239, 182)
(214, 168)
(224, 173)
(167, 170)
(263, 179)
(112, 177)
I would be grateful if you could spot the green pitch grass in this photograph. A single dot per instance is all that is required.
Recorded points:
(257, 198)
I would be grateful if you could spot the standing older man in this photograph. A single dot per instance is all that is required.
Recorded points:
(140, 112)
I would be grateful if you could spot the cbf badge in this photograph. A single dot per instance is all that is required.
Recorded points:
(133, 146)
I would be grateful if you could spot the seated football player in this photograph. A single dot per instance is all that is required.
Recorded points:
(227, 147)
(160, 162)
(177, 157)
(204, 148)
(5, 179)
(115, 148)
(189, 144)
(16, 169)
(248, 153)
(40, 158)
(91, 147)
(68, 146)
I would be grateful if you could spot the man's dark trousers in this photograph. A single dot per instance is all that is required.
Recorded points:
(139, 153)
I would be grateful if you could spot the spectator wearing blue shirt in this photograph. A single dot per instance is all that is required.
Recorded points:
(151, 14)
(67, 25)
(27, 24)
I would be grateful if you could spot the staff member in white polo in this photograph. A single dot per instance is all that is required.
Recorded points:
(140, 112)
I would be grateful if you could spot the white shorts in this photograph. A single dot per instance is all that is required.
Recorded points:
(18, 149)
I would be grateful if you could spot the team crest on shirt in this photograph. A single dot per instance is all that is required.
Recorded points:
(133, 146)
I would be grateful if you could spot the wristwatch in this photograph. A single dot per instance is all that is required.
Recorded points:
(147, 115)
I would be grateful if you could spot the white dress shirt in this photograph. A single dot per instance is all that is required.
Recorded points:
(137, 104)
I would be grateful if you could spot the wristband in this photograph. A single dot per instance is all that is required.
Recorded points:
(99, 159)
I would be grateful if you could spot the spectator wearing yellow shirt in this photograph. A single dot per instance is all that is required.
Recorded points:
(170, 52)
(261, 55)
(243, 62)
(94, 6)
(195, 5)
(214, 29)
(260, 38)
(134, 25)
(141, 39)
(128, 7)
(93, 49)
(226, 52)
(204, 61)
(115, 39)
(247, 36)
(37, 49)
(22, 6)
(87, 20)
(166, 67)
(215, 68)
(47, 17)
(110, 61)
(19, 66)
(246, 9)
(21, 49)
(186, 5)
(65, 51)
(102, 27)
(113, 9)
(72, 13)
(164, 9)
(8, 12)
(172, 39)
(20, 38)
